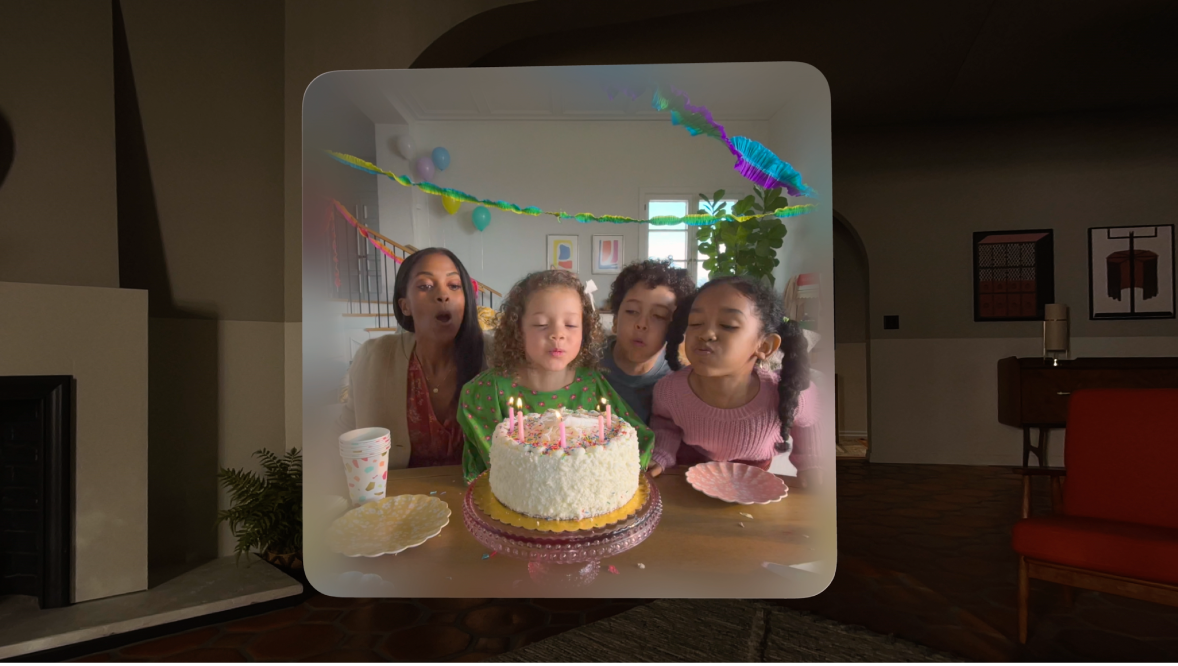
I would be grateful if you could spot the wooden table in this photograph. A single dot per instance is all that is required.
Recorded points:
(699, 548)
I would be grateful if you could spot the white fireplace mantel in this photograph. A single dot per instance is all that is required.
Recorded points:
(98, 335)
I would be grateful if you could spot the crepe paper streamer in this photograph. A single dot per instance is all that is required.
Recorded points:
(377, 244)
(758, 164)
(666, 220)
(613, 569)
(754, 161)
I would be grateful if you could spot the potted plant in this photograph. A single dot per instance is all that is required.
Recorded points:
(266, 512)
(743, 248)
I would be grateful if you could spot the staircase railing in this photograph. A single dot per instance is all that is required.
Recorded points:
(364, 275)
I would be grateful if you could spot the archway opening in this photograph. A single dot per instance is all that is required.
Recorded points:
(852, 342)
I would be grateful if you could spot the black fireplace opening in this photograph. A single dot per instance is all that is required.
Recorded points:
(37, 487)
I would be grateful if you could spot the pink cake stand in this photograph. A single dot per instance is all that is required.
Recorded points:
(565, 559)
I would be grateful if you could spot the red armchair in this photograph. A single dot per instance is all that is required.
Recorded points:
(1117, 528)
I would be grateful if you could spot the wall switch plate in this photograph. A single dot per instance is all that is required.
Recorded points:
(891, 322)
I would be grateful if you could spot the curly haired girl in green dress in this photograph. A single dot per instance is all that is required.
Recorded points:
(546, 350)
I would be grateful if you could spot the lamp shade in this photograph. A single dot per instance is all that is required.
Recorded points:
(1055, 327)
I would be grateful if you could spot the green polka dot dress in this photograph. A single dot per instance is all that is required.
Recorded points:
(483, 406)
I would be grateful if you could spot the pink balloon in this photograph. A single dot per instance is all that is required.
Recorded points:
(425, 167)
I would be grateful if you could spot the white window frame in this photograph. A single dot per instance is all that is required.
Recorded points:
(693, 202)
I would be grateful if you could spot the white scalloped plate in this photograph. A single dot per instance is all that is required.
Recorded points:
(388, 526)
(737, 483)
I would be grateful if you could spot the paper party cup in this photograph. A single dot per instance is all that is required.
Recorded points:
(365, 454)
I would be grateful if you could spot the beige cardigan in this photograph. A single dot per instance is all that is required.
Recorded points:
(378, 393)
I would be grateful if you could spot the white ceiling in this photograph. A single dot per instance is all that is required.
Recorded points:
(564, 93)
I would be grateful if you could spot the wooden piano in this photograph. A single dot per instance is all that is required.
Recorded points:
(1033, 393)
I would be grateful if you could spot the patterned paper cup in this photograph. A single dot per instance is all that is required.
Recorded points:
(365, 454)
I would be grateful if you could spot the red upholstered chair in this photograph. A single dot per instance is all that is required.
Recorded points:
(1117, 529)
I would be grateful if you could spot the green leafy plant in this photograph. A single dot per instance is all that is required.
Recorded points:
(742, 248)
(266, 512)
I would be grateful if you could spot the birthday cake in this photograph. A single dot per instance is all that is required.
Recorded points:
(592, 470)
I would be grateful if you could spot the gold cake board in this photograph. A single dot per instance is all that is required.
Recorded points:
(490, 505)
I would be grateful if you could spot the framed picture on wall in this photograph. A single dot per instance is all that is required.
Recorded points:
(562, 253)
(1131, 272)
(1013, 274)
(608, 254)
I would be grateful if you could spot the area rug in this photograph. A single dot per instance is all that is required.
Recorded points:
(720, 630)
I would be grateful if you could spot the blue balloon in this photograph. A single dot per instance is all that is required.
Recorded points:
(481, 217)
(441, 158)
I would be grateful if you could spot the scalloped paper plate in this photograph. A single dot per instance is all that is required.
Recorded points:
(388, 526)
(490, 505)
(737, 483)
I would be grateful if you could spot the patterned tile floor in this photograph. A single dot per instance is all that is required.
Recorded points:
(924, 554)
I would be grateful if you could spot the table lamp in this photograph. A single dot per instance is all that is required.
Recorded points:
(1055, 332)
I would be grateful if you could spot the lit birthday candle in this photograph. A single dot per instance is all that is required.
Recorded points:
(510, 414)
(563, 441)
(609, 415)
(520, 420)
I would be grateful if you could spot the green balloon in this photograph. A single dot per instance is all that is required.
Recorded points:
(481, 217)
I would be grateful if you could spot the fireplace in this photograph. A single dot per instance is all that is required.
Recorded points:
(36, 487)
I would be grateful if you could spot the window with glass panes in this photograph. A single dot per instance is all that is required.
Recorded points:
(677, 242)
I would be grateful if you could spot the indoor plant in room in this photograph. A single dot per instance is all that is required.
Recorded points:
(266, 512)
(742, 248)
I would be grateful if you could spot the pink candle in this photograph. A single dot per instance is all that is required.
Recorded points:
(600, 428)
(520, 421)
(510, 414)
(609, 415)
(563, 442)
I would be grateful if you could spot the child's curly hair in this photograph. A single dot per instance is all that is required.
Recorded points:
(507, 352)
(794, 374)
(651, 273)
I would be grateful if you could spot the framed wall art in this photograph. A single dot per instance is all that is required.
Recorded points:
(562, 253)
(1131, 272)
(608, 254)
(1013, 274)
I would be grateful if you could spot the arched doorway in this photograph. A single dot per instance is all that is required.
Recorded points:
(852, 342)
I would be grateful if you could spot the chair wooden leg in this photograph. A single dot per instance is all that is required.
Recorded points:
(1023, 593)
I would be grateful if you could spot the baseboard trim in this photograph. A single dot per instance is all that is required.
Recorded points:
(853, 433)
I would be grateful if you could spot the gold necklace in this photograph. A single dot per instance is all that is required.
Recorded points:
(427, 378)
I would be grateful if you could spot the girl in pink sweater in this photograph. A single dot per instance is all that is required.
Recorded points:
(727, 406)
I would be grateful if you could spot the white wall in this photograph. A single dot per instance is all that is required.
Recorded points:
(915, 195)
(936, 400)
(572, 166)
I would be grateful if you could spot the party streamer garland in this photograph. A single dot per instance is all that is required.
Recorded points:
(753, 161)
(662, 220)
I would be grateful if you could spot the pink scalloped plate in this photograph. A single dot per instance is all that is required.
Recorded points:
(736, 482)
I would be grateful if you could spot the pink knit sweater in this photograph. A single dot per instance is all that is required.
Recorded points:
(743, 433)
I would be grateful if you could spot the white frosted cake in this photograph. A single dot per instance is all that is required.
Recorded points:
(586, 477)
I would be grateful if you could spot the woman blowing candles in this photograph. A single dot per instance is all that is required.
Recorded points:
(726, 406)
(408, 382)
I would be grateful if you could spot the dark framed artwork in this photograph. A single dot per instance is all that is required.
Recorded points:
(1013, 274)
(1131, 272)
